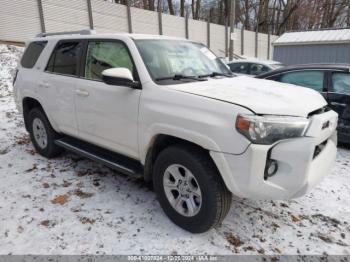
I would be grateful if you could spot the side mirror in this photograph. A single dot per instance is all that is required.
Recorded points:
(120, 76)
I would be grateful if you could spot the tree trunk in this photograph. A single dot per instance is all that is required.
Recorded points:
(246, 15)
(171, 7)
(151, 5)
(198, 7)
(182, 8)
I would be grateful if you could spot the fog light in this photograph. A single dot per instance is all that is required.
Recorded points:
(271, 168)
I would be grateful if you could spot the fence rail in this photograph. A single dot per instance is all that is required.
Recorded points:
(22, 19)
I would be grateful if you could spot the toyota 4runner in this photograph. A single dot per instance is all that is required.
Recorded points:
(168, 110)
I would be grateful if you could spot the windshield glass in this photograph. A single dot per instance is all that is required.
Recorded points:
(169, 58)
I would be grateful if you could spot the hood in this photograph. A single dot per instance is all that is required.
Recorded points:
(260, 96)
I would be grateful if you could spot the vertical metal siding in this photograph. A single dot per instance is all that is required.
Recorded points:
(19, 20)
(173, 26)
(65, 15)
(249, 43)
(197, 31)
(303, 54)
(144, 21)
(109, 17)
(217, 39)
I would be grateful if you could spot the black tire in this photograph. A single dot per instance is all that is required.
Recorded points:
(50, 149)
(216, 199)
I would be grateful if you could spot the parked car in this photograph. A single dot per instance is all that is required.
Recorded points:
(166, 109)
(331, 80)
(253, 66)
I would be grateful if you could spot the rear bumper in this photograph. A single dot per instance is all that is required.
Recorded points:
(299, 170)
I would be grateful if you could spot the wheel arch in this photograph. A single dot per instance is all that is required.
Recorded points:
(29, 103)
(158, 143)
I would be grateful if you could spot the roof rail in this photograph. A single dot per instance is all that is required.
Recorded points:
(81, 32)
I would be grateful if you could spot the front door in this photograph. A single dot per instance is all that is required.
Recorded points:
(107, 114)
(339, 101)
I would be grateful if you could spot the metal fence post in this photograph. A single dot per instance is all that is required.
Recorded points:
(208, 28)
(41, 16)
(129, 16)
(160, 22)
(226, 37)
(268, 42)
(186, 26)
(242, 40)
(256, 39)
(91, 20)
(232, 27)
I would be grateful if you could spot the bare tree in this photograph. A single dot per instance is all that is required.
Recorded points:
(171, 7)
(182, 8)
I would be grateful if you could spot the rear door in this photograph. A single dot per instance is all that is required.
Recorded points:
(339, 101)
(58, 84)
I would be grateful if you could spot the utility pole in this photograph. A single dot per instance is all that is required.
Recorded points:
(232, 26)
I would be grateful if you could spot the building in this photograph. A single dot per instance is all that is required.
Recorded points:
(321, 46)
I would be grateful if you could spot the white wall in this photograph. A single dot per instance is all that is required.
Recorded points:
(19, 21)
(109, 17)
(173, 26)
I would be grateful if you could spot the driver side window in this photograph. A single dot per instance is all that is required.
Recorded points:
(102, 55)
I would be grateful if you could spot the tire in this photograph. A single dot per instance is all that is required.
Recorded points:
(39, 129)
(208, 208)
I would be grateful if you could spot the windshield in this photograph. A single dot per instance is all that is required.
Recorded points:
(166, 59)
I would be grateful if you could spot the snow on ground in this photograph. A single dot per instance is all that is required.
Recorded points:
(70, 205)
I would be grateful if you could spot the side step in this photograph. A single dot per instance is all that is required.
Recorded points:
(106, 157)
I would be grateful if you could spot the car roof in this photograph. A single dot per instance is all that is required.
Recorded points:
(325, 66)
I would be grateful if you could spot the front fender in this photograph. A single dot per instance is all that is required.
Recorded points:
(178, 132)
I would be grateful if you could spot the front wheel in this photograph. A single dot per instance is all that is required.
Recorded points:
(190, 189)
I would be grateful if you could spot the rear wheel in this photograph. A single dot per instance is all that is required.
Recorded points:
(190, 189)
(42, 134)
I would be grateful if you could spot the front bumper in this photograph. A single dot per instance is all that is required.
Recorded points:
(299, 168)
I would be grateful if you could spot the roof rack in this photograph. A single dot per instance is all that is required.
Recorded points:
(81, 32)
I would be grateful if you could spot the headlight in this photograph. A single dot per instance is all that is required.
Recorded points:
(268, 129)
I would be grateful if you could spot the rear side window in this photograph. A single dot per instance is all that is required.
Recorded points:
(65, 58)
(311, 79)
(240, 68)
(32, 53)
(341, 83)
(258, 69)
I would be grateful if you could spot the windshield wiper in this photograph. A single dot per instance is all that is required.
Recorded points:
(214, 74)
(180, 77)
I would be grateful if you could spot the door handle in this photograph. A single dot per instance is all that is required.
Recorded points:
(338, 104)
(81, 92)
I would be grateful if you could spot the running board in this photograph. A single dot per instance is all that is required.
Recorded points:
(106, 157)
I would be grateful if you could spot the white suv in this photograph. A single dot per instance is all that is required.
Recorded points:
(168, 110)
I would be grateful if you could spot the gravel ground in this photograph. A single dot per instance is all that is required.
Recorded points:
(70, 205)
